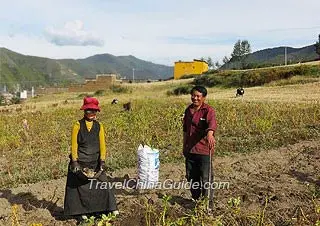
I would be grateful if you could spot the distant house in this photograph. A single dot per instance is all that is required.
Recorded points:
(23, 94)
(102, 82)
(196, 67)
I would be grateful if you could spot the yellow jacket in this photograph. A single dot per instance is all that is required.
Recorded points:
(74, 140)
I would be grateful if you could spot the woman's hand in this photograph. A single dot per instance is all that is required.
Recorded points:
(75, 166)
(103, 165)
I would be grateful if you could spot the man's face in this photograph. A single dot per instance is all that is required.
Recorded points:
(197, 98)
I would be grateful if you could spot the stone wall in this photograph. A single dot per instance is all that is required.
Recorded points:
(50, 90)
(102, 82)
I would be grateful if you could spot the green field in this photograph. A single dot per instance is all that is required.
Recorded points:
(267, 117)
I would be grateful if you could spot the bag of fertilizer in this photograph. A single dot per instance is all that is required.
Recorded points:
(148, 167)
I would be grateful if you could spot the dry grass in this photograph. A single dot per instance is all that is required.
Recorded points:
(290, 93)
(282, 66)
(309, 92)
(265, 118)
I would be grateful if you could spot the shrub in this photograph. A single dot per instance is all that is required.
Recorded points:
(15, 100)
(181, 90)
(99, 93)
(120, 89)
(250, 78)
(82, 95)
(2, 100)
(208, 81)
(188, 76)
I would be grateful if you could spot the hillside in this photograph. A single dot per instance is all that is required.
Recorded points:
(32, 71)
(35, 71)
(267, 151)
(276, 56)
(123, 65)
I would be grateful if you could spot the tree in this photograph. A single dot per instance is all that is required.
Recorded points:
(217, 64)
(245, 48)
(240, 52)
(236, 53)
(210, 63)
(225, 60)
(317, 45)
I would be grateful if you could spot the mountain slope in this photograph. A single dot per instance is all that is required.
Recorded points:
(34, 71)
(276, 56)
(125, 66)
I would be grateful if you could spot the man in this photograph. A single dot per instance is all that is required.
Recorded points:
(199, 126)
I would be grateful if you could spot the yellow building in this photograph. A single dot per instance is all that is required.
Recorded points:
(197, 67)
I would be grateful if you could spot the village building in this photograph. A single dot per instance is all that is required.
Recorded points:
(101, 82)
(195, 67)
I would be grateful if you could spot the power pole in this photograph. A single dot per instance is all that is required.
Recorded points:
(133, 74)
(285, 55)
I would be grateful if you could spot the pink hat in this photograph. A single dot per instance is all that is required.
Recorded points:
(90, 103)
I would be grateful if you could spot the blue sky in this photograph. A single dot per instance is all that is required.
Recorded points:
(159, 31)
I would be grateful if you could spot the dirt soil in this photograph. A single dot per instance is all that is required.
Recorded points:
(288, 177)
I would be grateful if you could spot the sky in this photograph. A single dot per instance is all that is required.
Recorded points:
(158, 31)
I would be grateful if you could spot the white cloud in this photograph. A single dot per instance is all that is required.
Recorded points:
(160, 31)
(38, 46)
(73, 34)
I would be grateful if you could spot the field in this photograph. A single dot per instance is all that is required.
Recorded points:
(267, 150)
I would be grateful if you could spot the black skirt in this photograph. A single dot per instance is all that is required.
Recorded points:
(83, 196)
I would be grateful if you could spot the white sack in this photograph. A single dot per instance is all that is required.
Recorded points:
(148, 166)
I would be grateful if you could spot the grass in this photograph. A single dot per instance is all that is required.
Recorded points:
(266, 117)
(257, 77)
(233, 214)
(293, 80)
(245, 125)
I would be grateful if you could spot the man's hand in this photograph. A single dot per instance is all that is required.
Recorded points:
(211, 140)
(75, 166)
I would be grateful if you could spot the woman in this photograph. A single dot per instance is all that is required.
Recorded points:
(88, 151)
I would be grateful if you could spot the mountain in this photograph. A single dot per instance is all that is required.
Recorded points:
(126, 66)
(30, 71)
(276, 56)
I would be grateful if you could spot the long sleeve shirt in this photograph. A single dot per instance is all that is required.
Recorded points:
(74, 138)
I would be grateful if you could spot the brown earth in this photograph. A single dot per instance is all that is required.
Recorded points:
(288, 178)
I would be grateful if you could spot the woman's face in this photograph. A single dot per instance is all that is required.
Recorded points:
(197, 98)
(90, 114)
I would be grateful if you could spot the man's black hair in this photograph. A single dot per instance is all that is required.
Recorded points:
(200, 89)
